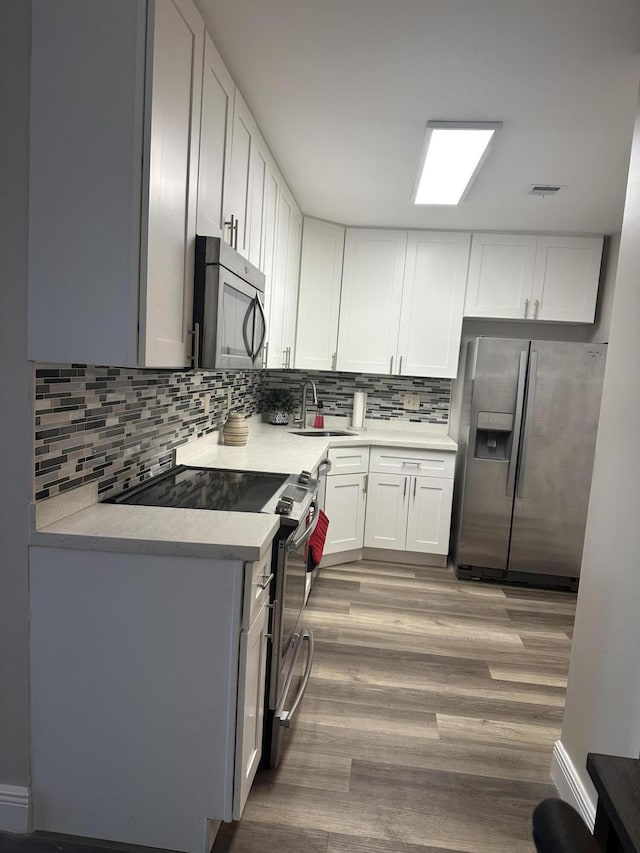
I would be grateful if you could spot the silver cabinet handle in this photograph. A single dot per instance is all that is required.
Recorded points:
(400, 367)
(528, 422)
(266, 583)
(284, 357)
(365, 484)
(406, 463)
(526, 308)
(195, 357)
(391, 365)
(333, 360)
(265, 362)
(230, 224)
(405, 489)
(536, 309)
(415, 483)
(517, 425)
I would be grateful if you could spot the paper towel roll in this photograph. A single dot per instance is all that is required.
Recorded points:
(359, 409)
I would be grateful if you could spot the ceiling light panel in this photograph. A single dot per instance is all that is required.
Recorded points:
(453, 153)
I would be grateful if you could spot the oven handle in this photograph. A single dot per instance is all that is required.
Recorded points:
(294, 544)
(285, 717)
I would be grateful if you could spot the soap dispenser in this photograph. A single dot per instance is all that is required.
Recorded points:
(318, 421)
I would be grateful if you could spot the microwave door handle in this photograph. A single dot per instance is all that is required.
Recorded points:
(245, 336)
(264, 328)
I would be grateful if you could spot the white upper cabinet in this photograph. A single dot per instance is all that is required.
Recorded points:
(371, 298)
(283, 292)
(237, 202)
(319, 297)
(216, 130)
(500, 276)
(432, 302)
(525, 277)
(565, 279)
(113, 182)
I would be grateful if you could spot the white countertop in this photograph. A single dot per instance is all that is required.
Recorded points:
(277, 450)
(76, 520)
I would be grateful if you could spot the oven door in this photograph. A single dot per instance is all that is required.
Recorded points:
(290, 666)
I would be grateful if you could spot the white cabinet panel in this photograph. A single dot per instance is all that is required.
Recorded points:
(500, 276)
(113, 205)
(237, 203)
(345, 502)
(429, 515)
(348, 460)
(432, 303)
(215, 141)
(371, 297)
(283, 297)
(565, 283)
(386, 520)
(166, 293)
(319, 299)
(251, 696)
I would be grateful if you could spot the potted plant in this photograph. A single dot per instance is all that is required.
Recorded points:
(279, 404)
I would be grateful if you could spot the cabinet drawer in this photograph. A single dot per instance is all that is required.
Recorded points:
(404, 460)
(348, 460)
(256, 589)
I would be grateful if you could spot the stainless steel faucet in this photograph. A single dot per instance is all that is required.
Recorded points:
(303, 408)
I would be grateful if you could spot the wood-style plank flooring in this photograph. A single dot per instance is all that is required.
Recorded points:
(429, 721)
(428, 725)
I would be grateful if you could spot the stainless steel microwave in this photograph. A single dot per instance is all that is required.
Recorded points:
(228, 307)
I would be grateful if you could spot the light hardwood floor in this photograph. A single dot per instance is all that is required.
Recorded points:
(429, 721)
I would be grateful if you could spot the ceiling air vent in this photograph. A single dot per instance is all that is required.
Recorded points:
(545, 189)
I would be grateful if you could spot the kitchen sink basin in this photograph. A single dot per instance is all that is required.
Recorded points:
(325, 432)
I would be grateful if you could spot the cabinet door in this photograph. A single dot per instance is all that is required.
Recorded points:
(345, 502)
(386, 521)
(166, 292)
(275, 350)
(238, 200)
(258, 187)
(429, 515)
(435, 278)
(293, 280)
(500, 276)
(215, 141)
(371, 297)
(319, 298)
(250, 713)
(269, 227)
(565, 283)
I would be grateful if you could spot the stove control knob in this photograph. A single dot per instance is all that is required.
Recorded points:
(284, 506)
(304, 477)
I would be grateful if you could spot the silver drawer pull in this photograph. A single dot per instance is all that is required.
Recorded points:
(411, 464)
(268, 580)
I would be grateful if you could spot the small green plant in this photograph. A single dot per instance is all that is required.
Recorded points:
(280, 400)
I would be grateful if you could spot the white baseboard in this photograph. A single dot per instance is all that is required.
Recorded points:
(570, 786)
(15, 807)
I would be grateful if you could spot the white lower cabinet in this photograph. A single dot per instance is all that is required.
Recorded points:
(345, 504)
(250, 716)
(386, 524)
(147, 692)
(409, 513)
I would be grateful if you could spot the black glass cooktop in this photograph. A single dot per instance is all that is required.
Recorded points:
(206, 488)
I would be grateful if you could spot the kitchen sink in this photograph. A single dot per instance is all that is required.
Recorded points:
(326, 432)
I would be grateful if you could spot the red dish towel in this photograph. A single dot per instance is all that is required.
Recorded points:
(316, 542)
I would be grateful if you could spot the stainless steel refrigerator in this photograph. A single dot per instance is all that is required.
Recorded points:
(528, 431)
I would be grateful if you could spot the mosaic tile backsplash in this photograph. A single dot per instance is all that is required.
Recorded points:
(385, 394)
(119, 426)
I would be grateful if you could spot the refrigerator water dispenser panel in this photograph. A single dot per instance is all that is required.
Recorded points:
(493, 435)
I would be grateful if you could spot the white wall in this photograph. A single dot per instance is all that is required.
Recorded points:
(15, 441)
(603, 698)
(602, 326)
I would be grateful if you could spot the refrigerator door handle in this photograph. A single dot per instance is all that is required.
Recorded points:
(517, 425)
(528, 419)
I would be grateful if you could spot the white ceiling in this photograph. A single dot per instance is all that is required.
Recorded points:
(342, 89)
